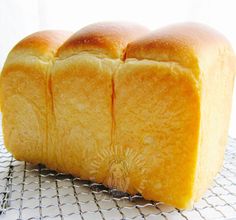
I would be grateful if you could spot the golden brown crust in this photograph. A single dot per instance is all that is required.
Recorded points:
(184, 43)
(43, 43)
(154, 117)
(108, 38)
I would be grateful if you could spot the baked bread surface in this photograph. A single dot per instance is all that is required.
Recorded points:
(144, 112)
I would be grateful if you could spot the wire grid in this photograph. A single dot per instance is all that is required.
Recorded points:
(35, 192)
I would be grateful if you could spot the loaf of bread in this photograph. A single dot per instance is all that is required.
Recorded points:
(144, 112)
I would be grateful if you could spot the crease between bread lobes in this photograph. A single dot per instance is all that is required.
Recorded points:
(144, 112)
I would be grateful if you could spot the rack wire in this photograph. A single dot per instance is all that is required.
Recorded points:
(35, 192)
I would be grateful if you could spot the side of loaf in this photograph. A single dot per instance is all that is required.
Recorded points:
(143, 112)
(24, 94)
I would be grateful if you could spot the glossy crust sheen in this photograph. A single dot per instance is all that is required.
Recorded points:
(144, 112)
(43, 43)
(108, 38)
(185, 43)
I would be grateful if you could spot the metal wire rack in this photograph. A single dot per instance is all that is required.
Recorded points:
(35, 192)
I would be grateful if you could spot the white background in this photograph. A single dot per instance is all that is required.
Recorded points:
(19, 18)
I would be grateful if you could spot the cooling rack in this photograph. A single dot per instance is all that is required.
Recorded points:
(35, 192)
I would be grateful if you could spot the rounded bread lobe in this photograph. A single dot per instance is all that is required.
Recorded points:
(184, 43)
(107, 38)
(43, 43)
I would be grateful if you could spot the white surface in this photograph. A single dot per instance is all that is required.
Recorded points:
(20, 18)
